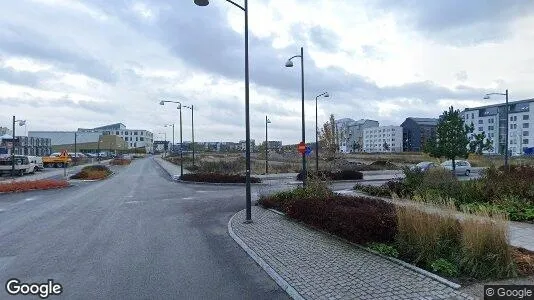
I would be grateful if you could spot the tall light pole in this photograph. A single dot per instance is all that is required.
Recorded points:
(289, 64)
(244, 8)
(192, 108)
(181, 154)
(487, 96)
(267, 121)
(326, 95)
(21, 123)
(169, 125)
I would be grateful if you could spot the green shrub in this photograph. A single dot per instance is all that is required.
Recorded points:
(377, 191)
(441, 181)
(384, 249)
(444, 267)
(412, 178)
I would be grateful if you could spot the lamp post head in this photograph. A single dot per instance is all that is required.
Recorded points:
(202, 2)
(162, 102)
(289, 64)
(486, 97)
(326, 95)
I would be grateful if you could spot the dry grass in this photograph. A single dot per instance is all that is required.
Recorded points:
(524, 260)
(95, 172)
(485, 249)
(22, 186)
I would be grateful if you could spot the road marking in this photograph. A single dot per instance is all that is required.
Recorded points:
(133, 202)
(30, 199)
(205, 191)
(188, 198)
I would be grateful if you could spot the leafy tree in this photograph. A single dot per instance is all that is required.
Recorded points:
(451, 139)
(327, 139)
(478, 142)
(356, 146)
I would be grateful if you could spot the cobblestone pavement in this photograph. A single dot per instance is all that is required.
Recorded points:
(319, 266)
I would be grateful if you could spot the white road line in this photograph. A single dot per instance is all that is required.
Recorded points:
(133, 202)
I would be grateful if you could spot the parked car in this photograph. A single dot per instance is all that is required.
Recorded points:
(424, 166)
(37, 161)
(22, 165)
(462, 167)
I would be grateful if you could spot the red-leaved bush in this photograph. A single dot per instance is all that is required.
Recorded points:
(22, 186)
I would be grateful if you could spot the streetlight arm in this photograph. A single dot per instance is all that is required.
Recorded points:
(294, 57)
(242, 8)
(501, 94)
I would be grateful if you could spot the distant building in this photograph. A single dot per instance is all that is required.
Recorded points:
(491, 119)
(5, 130)
(160, 146)
(275, 145)
(243, 145)
(25, 145)
(416, 132)
(382, 139)
(349, 133)
(135, 138)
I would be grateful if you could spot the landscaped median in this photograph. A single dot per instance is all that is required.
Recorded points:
(32, 185)
(120, 162)
(473, 248)
(498, 191)
(217, 178)
(94, 172)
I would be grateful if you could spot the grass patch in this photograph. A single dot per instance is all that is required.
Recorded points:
(218, 178)
(23, 186)
(94, 172)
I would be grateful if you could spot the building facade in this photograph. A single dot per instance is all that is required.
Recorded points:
(350, 134)
(5, 130)
(134, 138)
(491, 119)
(26, 146)
(417, 132)
(383, 139)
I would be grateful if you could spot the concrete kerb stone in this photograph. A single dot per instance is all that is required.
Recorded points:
(91, 180)
(395, 260)
(264, 265)
(215, 183)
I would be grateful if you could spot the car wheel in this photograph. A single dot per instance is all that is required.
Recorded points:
(467, 172)
(21, 173)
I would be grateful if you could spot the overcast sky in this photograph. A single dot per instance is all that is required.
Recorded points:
(69, 64)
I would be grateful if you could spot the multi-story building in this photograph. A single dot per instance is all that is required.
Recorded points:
(135, 138)
(349, 133)
(382, 139)
(416, 132)
(243, 144)
(491, 119)
(26, 145)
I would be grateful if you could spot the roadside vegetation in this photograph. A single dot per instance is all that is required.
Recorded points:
(498, 191)
(462, 249)
(95, 172)
(31, 185)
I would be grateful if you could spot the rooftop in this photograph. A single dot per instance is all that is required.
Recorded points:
(501, 104)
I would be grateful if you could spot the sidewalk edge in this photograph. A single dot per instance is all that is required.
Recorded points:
(270, 271)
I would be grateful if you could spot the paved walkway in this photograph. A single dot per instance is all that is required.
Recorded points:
(319, 266)
(172, 169)
(521, 234)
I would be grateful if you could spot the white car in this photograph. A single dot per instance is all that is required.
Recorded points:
(463, 167)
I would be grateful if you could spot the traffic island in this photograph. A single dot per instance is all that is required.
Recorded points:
(93, 173)
(33, 185)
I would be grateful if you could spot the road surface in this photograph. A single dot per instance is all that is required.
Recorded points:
(136, 235)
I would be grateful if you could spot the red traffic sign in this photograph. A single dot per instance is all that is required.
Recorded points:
(301, 148)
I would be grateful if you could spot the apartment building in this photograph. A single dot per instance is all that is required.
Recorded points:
(382, 139)
(134, 138)
(350, 134)
(491, 119)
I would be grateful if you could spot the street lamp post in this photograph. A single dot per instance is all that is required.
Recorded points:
(192, 108)
(244, 8)
(267, 121)
(172, 148)
(326, 95)
(98, 149)
(181, 153)
(21, 123)
(487, 96)
(289, 64)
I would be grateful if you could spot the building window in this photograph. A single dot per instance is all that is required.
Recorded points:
(142, 139)
(525, 133)
(472, 115)
(525, 141)
(136, 139)
(515, 118)
(480, 121)
(511, 118)
(525, 117)
(480, 128)
(117, 133)
(491, 128)
(525, 125)
(491, 121)
(135, 132)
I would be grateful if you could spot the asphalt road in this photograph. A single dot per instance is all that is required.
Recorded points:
(136, 235)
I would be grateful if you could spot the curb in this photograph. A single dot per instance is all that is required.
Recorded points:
(213, 183)
(270, 271)
(392, 259)
(91, 180)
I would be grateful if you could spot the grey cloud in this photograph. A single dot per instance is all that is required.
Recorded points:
(460, 22)
(326, 39)
(461, 76)
(31, 79)
(23, 41)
